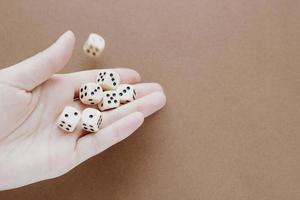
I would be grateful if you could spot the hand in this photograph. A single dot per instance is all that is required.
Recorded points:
(32, 147)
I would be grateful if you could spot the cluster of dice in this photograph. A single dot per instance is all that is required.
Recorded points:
(106, 93)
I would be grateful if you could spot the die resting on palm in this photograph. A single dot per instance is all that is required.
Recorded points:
(105, 93)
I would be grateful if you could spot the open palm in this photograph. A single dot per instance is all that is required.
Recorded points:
(32, 147)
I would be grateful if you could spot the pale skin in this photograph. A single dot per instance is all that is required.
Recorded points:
(32, 95)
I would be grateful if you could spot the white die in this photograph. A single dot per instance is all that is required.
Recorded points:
(91, 119)
(126, 92)
(90, 93)
(110, 100)
(94, 45)
(108, 79)
(68, 119)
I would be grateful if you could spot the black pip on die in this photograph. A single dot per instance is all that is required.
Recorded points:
(91, 119)
(68, 119)
(110, 100)
(90, 93)
(108, 79)
(126, 92)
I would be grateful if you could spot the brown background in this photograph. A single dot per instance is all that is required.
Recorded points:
(230, 69)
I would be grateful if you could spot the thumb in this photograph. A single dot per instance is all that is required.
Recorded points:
(33, 71)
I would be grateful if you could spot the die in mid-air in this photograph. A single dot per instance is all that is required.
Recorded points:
(94, 45)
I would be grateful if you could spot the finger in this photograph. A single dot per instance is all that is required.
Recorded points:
(35, 70)
(143, 89)
(146, 105)
(78, 78)
(92, 144)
